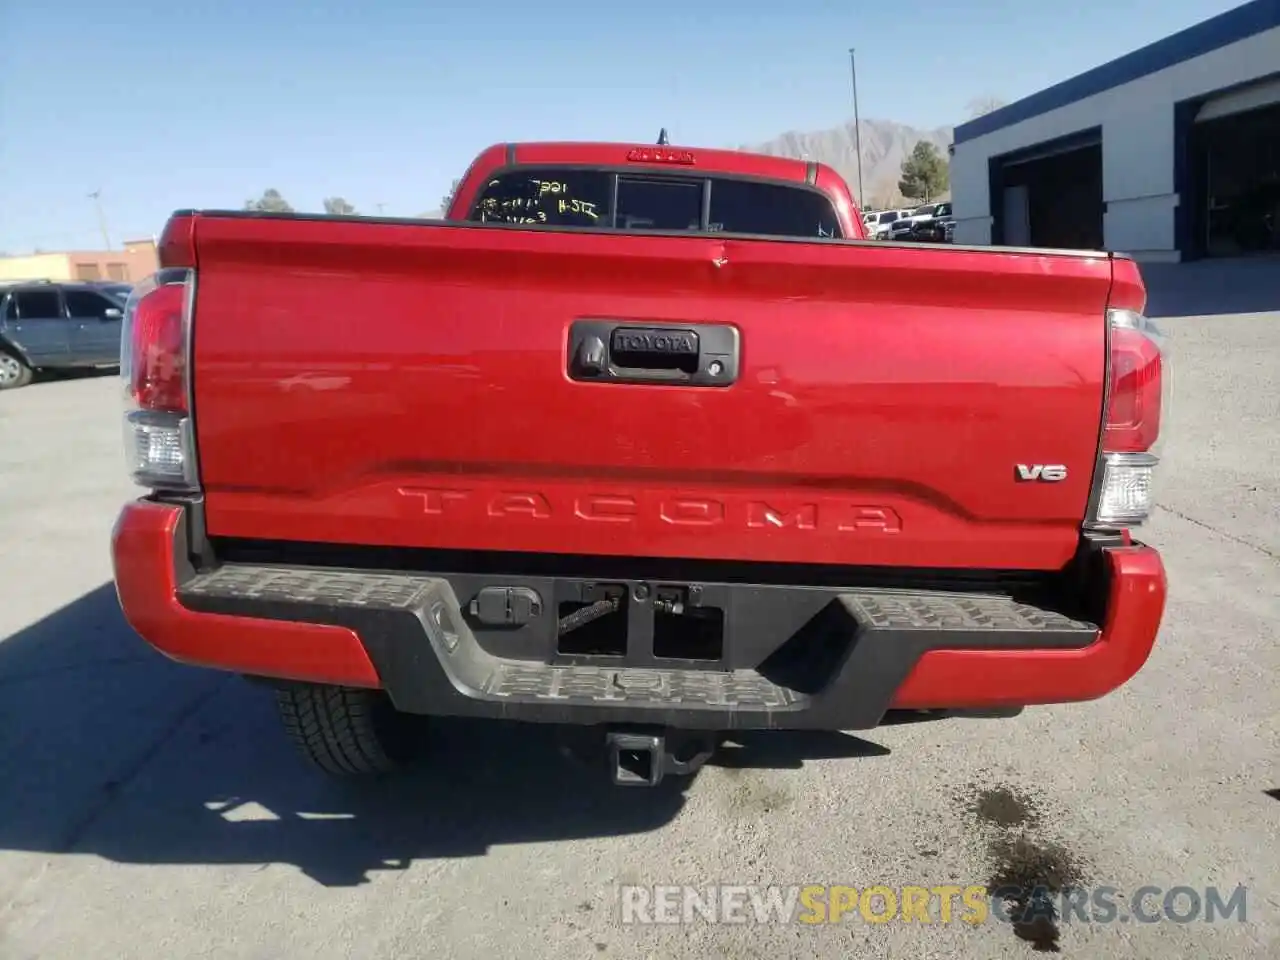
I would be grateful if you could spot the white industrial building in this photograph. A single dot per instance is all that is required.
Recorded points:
(1169, 153)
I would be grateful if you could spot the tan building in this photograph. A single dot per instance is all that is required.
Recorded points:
(136, 261)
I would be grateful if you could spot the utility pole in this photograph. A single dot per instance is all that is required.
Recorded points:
(379, 206)
(96, 197)
(857, 126)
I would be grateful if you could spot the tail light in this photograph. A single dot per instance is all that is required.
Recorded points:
(1136, 403)
(155, 351)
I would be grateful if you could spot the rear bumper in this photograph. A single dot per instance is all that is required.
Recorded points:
(831, 658)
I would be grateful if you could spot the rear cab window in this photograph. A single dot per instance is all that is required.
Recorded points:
(651, 200)
(553, 198)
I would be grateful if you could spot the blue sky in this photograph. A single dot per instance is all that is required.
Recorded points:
(164, 105)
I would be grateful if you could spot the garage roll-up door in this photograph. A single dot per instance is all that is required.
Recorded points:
(1053, 148)
(1241, 101)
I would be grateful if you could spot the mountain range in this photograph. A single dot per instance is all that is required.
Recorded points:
(885, 144)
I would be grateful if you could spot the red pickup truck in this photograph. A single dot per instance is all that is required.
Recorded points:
(641, 438)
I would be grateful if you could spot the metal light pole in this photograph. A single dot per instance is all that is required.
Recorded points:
(96, 197)
(857, 126)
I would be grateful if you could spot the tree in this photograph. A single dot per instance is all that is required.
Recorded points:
(925, 173)
(448, 197)
(270, 202)
(338, 207)
(981, 106)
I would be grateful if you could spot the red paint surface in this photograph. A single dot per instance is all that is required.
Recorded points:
(339, 362)
(977, 679)
(142, 553)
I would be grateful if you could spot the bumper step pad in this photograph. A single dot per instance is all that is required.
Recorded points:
(417, 635)
(737, 689)
(937, 611)
(310, 585)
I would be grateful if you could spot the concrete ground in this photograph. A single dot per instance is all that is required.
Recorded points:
(151, 810)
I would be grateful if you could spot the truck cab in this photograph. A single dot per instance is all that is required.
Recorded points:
(642, 188)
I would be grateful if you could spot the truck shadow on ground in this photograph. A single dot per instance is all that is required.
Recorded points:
(107, 748)
(1212, 287)
(78, 373)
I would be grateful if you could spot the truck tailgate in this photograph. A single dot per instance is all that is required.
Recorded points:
(406, 385)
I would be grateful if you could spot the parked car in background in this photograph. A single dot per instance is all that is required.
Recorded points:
(927, 224)
(115, 289)
(882, 227)
(902, 229)
(51, 326)
(930, 211)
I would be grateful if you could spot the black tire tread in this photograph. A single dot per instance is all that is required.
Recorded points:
(343, 731)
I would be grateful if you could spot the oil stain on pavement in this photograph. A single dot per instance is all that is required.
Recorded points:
(1004, 808)
(1029, 873)
(1029, 876)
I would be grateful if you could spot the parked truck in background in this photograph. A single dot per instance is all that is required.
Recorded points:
(644, 439)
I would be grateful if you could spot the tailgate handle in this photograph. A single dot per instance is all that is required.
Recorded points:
(652, 349)
(695, 354)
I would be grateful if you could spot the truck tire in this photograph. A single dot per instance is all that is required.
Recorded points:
(14, 371)
(345, 731)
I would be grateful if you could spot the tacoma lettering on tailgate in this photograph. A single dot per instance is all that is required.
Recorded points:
(682, 511)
